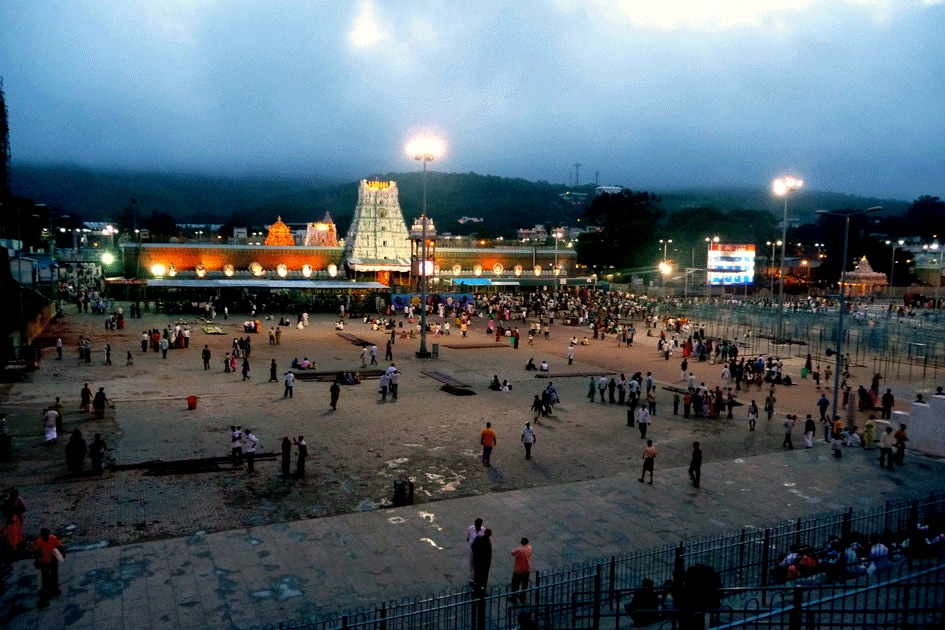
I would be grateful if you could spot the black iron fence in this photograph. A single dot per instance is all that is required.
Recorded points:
(594, 594)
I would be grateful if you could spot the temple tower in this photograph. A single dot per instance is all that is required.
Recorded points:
(321, 234)
(378, 240)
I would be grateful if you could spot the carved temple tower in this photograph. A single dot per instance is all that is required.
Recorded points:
(378, 241)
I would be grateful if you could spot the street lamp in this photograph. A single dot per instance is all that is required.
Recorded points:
(663, 265)
(771, 260)
(424, 148)
(938, 280)
(782, 187)
(892, 266)
(557, 234)
(709, 242)
(843, 290)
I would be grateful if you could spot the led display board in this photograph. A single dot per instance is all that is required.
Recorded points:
(731, 264)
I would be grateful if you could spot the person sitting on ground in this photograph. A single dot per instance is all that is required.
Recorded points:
(506, 386)
(531, 365)
(495, 385)
(585, 342)
(295, 364)
(544, 366)
(644, 607)
(305, 364)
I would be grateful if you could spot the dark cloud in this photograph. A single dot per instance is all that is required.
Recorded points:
(848, 95)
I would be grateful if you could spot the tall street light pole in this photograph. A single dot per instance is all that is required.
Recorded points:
(424, 149)
(843, 289)
(771, 260)
(892, 266)
(664, 267)
(783, 187)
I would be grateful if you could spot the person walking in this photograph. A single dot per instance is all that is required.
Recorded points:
(86, 397)
(383, 385)
(900, 440)
(788, 432)
(886, 442)
(335, 393)
(591, 389)
(205, 355)
(649, 458)
(570, 353)
(488, 439)
(810, 427)
(108, 354)
(129, 359)
(286, 456)
(482, 560)
(769, 404)
(752, 415)
(236, 445)
(59, 348)
(97, 450)
(823, 404)
(273, 371)
(602, 388)
(245, 368)
(643, 420)
(226, 363)
(300, 461)
(389, 352)
(887, 402)
(289, 380)
(76, 451)
(695, 465)
(363, 355)
(48, 551)
(528, 438)
(250, 442)
(394, 383)
(373, 355)
(651, 401)
(164, 346)
(521, 569)
(99, 402)
(473, 532)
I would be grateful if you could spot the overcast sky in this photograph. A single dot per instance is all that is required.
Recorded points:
(847, 94)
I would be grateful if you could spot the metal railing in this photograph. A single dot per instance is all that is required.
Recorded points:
(582, 595)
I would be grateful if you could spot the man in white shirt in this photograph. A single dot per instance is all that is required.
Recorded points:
(289, 384)
(249, 449)
(472, 533)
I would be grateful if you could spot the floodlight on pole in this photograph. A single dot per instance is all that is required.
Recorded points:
(843, 290)
(424, 148)
(892, 266)
(783, 187)
(709, 242)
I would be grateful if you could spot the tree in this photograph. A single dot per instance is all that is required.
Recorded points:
(624, 221)
(161, 225)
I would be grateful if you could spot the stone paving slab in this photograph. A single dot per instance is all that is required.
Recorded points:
(249, 577)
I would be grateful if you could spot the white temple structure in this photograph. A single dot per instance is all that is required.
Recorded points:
(378, 240)
(863, 280)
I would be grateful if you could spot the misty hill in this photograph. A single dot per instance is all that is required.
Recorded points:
(505, 204)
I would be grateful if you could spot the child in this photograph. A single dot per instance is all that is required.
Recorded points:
(129, 360)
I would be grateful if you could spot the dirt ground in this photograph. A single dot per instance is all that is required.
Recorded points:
(356, 452)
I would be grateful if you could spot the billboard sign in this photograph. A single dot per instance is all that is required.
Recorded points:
(731, 264)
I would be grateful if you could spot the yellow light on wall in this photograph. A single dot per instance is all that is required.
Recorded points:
(171, 270)
(282, 270)
(201, 270)
(436, 270)
(332, 270)
(517, 270)
(557, 271)
(457, 270)
(228, 270)
(497, 268)
(477, 270)
(537, 270)
(158, 269)
(108, 258)
(256, 269)
(307, 271)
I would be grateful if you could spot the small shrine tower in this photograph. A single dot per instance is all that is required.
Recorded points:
(279, 234)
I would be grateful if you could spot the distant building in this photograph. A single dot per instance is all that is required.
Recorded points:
(573, 198)
(463, 220)
(608, 190)
(537, 233)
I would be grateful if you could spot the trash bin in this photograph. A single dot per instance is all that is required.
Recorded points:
(191, 402)
(403, 492)
(803, 372)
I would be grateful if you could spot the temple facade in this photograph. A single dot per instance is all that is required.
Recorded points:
(321, 234)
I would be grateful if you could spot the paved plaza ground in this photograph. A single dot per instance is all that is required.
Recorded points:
(226, 549)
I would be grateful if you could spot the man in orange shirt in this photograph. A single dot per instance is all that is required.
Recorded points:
(44, 549)
(488, 440)
(521, 570)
